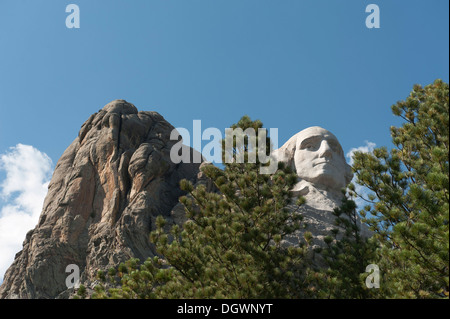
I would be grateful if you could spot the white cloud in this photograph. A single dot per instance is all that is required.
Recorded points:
(361, 190)
(22, 192)
(368, 148)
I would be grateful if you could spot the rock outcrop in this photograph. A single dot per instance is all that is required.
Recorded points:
(105, 194)
(115, 179)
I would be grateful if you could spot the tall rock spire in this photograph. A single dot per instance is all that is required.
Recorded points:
(105, 194)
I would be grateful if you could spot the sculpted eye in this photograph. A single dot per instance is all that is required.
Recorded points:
(309, 146)
(336, 148)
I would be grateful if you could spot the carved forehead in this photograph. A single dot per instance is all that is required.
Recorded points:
(315, 132)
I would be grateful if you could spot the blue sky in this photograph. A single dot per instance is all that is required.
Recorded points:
(290, 63)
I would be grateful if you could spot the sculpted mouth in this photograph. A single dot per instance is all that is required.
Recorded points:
(323, 162)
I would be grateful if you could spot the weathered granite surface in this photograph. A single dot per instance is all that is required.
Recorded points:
(106, 191)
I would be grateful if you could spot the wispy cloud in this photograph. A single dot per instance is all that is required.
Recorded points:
(367, 148)
(27, 174)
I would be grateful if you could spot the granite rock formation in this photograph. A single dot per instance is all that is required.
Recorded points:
(115, 179)
(105, 194)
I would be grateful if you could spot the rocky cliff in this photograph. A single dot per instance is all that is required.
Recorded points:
(115, 179)
(105, 194)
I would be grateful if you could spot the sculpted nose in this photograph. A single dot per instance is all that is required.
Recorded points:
(325, 150)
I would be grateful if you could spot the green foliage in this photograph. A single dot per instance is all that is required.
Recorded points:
(408, 208)
(231, 245)
(81, 292)
(346, 256)
(133, 280)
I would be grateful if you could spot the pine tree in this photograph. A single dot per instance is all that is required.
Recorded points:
(408, 209)
(232, 244)
(346, 255)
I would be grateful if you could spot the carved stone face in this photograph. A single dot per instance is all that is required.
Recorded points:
(317, 157)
